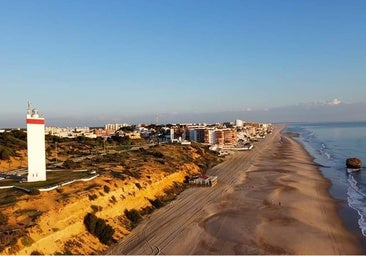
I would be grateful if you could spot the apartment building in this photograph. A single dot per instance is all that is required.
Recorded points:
(111, 128)
(230, 137)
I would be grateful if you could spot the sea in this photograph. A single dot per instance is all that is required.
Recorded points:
(331, 144)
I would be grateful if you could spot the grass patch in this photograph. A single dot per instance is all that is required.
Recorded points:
(9, 196)
(27, 241)
(28, 212)
(53, 178)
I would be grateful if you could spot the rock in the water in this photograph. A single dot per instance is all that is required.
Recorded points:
(354, 163)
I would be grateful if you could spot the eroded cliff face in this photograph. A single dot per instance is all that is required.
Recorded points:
(52, 222)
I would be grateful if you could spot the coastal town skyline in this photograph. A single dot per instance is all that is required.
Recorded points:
(87, 63)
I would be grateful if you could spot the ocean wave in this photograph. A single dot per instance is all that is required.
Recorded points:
(325, 152)
(309, 136)
(354, 184)
(317, 148)
(356, 200)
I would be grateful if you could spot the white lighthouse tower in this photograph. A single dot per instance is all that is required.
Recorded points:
(36, 146)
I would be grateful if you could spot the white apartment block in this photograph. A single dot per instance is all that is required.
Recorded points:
(114, 127)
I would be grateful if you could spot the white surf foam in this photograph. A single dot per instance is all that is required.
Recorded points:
(357, 200)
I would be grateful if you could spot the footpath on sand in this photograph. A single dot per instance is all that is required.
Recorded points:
(271, 200)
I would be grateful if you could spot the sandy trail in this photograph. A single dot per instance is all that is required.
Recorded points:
(271, 200)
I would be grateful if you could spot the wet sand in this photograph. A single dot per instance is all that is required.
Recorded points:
(271, 200)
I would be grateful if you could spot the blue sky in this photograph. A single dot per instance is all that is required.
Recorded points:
(93, 62)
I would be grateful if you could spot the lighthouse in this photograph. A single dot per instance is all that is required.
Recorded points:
(36, 146)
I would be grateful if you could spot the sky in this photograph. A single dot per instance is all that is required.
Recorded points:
(86, 62)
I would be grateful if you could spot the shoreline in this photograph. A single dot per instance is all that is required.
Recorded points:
(271, 200)
(348, 215)
(310, 202)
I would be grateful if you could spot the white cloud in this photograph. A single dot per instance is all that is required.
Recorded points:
(335, 101)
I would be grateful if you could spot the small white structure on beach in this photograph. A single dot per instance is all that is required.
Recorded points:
(36, 146)
(206, 181)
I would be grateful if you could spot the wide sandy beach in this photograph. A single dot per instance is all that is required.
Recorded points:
(271, 200)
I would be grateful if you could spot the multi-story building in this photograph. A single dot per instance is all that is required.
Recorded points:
(210, 136)
(239, 123)
(220, 137)
(230, 137)
(111, 128)
(200, 135)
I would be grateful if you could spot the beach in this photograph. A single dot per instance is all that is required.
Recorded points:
(271, 200)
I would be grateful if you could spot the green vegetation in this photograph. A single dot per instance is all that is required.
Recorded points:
(133, 216)
(11, 142)
(169, 195)
(36, 253)
(99, 228)
(8, 200)
(92, 197)
(106, 189)
(157, 203)
(70, 164)
(34, 191)
(95, 208)
(27, 241)
(9, 196)
(3, 219)
(53, 178)
(153, 153)
(113, 199)
(29, 212)
(5, 153)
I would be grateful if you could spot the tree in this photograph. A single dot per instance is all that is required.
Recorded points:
(99, 228)
(134, 216)
(3, 219)
(4, 154)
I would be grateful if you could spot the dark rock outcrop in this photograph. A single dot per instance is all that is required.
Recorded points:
(354, 163)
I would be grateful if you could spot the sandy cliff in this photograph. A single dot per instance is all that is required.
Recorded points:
(52, 222)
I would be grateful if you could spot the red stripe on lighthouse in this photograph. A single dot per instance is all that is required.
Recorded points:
(35, 121)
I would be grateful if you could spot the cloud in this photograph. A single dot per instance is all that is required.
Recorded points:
(335, 101)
